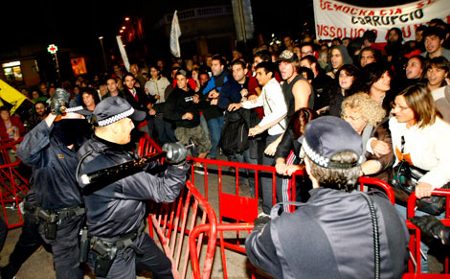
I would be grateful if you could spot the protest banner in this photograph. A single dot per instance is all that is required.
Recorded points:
(336, 19)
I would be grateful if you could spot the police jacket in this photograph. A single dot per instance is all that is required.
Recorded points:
(331, 236)
(53, 179)
(119, 208)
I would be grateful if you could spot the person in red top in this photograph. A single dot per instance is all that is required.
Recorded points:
(11, 127)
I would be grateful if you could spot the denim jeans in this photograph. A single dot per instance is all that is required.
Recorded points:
(266, 179)
(215, 126)
(244, 157)
(165, 131)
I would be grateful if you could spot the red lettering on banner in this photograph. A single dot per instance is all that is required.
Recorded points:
(325, 5)
(339, 32)
(406, 30)
(424, 3)
(397, 11)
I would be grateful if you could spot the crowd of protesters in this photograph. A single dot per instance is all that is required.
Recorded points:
(395, 95)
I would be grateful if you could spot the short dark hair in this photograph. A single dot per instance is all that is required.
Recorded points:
(268, 67)
(308, 71)
(264, 55)
(439, 62)
(92, 92)
(220, 58)
(370, 74)
(40, 102)
(434, 31)
(239, 62)
(370, 35)
(311, 59)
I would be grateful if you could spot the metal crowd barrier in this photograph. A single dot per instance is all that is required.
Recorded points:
(13, 184)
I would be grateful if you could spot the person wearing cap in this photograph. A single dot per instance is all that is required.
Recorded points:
(338, 232)
(54, 210)
(297, 94)
(296, 90)
(116, 211)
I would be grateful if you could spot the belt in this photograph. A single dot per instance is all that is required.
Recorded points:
(120, 242)
(55, 215)
(70, 212)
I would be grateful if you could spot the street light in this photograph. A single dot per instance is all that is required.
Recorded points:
(103, 53)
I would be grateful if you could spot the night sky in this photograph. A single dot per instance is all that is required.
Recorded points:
(80, 23)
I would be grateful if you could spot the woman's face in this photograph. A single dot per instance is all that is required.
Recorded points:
(154, 73)
(4, 115)
(88, 100)
(336, 59)
(34, 94)
(436, 76)
(345, 80)
(414, 68)
(402, 112)
(384, 83)
(354, 118)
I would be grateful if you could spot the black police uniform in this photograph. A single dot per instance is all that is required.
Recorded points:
(54, 209)
(116, 212)
(331, 236)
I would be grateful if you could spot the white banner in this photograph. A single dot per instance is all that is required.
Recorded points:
(175, 33)
(123, 53)
(337, 19)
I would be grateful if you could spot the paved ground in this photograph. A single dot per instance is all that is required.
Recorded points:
(40, 265)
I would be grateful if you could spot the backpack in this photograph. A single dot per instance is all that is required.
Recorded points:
(234, 137)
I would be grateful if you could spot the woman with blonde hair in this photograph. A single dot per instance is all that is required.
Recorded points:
(367, 118)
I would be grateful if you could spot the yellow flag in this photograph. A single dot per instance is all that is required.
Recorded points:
(10, 95)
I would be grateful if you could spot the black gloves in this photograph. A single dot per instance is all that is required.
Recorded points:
(431, 227)
(59, 102)
(176, 153)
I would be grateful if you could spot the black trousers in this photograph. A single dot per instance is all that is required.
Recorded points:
(144, 255)
(29, 241)
(3, 233)
(65, 247)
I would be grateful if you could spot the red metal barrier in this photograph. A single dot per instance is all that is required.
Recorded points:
(414, 264)
(14, 186)
(378, 183)
(174, 222)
